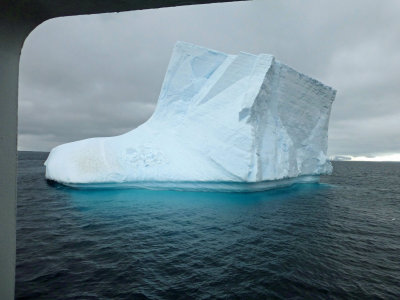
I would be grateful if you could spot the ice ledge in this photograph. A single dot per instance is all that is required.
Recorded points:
(242, 187)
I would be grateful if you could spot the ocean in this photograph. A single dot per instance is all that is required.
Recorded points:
(339, 239)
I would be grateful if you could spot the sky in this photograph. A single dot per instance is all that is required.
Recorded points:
(100, 75)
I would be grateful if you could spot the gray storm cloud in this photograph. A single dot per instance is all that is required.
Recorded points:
(100, 75)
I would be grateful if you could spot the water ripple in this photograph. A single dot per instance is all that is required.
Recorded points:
(337, 240)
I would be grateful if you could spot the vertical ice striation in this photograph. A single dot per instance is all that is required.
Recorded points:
(233, 119)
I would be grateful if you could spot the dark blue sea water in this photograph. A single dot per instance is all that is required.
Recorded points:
(335, 240)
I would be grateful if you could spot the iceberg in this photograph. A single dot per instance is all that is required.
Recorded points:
(222, 122)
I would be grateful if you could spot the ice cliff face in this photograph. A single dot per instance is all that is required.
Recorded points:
(219, 118)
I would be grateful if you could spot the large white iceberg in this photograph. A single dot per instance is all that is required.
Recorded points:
(222, 122)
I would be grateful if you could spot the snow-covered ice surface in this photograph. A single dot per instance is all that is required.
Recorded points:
(222, 122)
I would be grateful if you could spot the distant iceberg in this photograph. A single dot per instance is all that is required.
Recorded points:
(222, 122)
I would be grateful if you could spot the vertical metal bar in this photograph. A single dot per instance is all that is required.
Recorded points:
(12, 36)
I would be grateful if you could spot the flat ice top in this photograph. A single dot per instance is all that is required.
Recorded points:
(219, 118)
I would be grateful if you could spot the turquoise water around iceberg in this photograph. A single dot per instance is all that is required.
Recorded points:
(338, 239)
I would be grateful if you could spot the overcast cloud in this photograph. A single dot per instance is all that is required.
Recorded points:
(100, 75)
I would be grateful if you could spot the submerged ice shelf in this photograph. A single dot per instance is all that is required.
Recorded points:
(222, 122)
